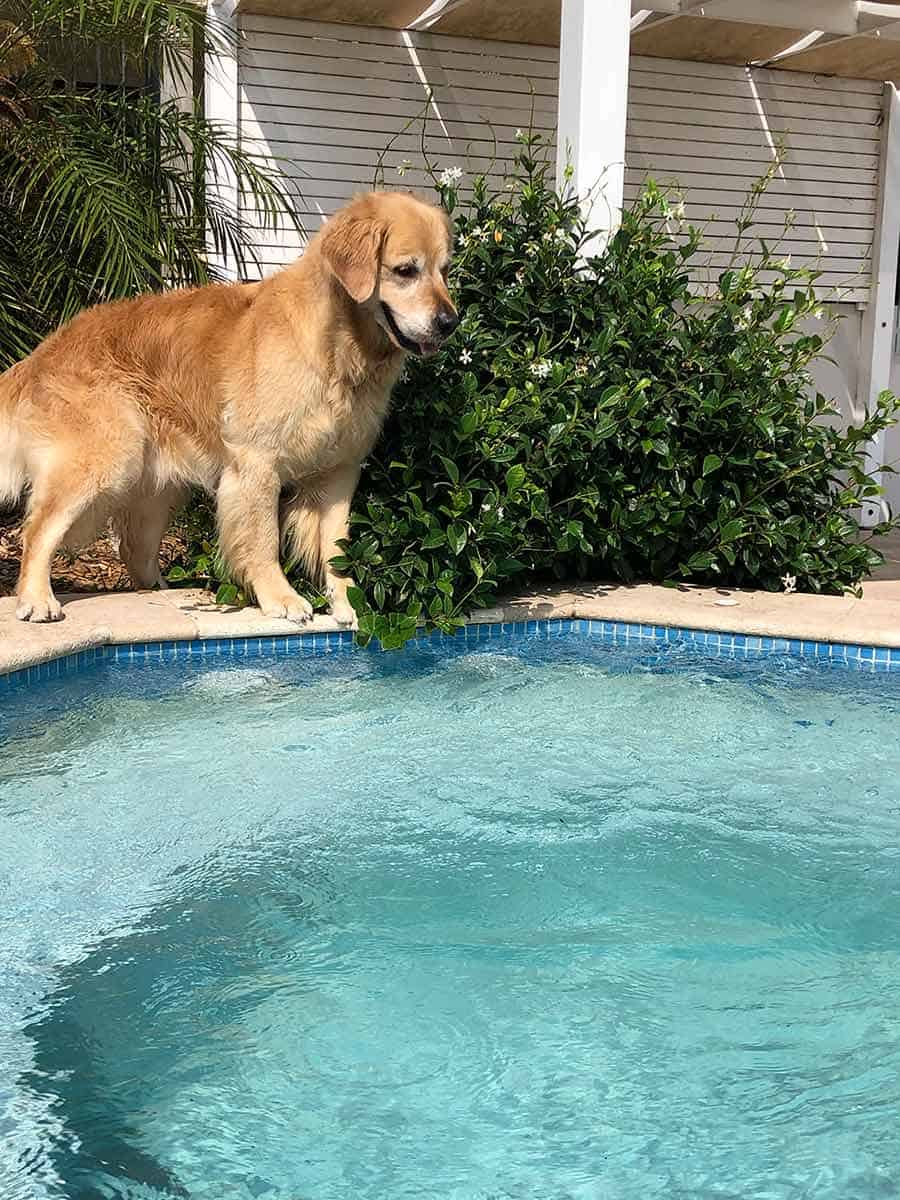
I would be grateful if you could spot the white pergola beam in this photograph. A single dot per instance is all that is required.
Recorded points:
(878, 27)
(593, 100)
(887, 29)
(434, 12)
(830, 16)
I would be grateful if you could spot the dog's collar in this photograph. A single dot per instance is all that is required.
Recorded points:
(405, 342)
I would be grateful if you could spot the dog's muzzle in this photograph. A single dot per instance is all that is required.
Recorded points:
(444, 323)
(398, 335)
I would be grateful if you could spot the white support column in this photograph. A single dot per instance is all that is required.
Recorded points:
(593, 96)
(221, 107)
(876, 348)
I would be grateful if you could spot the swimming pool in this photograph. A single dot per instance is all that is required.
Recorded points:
(531, 918)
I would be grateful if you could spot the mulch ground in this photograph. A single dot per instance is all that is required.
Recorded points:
(97, 568)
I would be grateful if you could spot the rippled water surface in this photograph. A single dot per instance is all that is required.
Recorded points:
(537, 921)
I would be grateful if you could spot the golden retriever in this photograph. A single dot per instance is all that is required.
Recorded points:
(248, 390)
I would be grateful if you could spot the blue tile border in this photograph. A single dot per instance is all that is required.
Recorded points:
(712, 643)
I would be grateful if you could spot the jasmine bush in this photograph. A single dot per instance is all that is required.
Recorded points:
(596, 417)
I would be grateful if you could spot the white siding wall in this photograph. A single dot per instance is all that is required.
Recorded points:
(712, 130)
(332, 101)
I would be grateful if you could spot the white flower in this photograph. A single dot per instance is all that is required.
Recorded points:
(462, 242)
(678, 210)
(519, 135)
(531, 249)
(581, 368)
(549, 235)
(465, 357)
(745, 317)
(562, 235)
(520, 275)
(499, 514)
(819, 313)
(789, 583)
(540, 369)
(786, 261)
(404, 167)
(450, 176)
(479, 234)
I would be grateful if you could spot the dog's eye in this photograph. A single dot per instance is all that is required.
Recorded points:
(406, 270)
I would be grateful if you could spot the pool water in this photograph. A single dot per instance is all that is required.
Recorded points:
(538, 920)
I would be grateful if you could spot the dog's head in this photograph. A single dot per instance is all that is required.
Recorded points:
(391, 252)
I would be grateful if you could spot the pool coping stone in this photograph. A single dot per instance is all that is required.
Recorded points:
(189, 614)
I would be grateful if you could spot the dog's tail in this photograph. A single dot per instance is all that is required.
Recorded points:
(300, 534)
(13, 478)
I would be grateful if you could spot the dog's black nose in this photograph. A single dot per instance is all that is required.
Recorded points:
(446, 321)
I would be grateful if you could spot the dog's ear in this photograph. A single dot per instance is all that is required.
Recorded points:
(351, 246)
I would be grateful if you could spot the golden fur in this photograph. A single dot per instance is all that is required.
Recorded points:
(248, 390)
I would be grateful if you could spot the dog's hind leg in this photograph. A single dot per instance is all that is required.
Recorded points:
(140, 528)
(74, 484)
(62, 499)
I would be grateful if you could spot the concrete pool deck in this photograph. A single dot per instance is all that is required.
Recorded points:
(188, 614)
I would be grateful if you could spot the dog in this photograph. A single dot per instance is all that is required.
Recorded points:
(252, 391)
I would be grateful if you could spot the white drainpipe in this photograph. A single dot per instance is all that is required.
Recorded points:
(221, 106)
(877, 341)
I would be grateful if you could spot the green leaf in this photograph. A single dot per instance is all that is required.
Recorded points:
(765, 424)
(610, 396)
(457, 535)
(227, 594)
(701, 561)
(357, 600)
(711, 462)
(451, 468)
(515, 477)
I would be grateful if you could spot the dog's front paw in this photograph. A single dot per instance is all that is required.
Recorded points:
(344, 613)
(289, 606)
(338, 604)
(43, 607)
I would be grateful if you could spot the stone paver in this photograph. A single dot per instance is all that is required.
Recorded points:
(185, 614)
